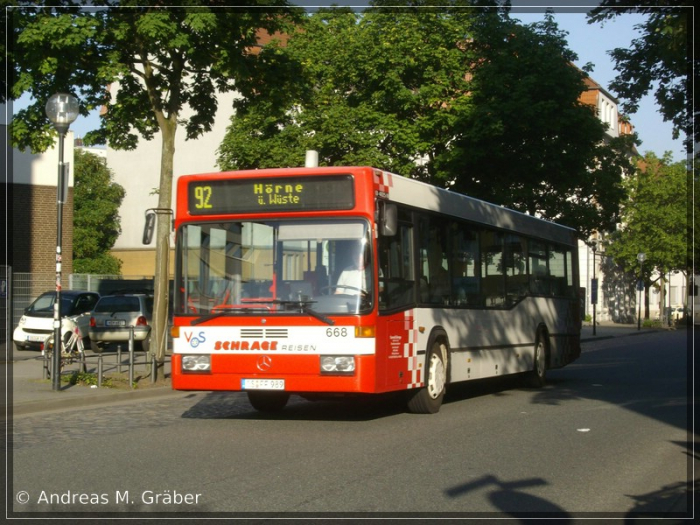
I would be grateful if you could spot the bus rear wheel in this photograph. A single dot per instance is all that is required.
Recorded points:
(268, 401)
(428, 400)
(538, 374)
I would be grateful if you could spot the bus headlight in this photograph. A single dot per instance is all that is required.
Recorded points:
(196, 363)
(337, 364)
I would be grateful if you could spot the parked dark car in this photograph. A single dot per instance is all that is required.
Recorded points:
(115, 316)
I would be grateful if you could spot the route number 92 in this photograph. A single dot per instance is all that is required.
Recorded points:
(202, 195)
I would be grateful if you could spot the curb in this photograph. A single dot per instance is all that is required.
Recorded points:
(630, 334)
(47, 405)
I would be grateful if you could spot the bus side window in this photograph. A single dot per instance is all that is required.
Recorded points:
(434, 285)
(539, 271)
(557, 270)
(397, 268)
(464, 288)
(493, 279)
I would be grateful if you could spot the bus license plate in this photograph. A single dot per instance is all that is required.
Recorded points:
(262, 384)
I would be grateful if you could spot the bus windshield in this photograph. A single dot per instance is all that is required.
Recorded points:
(273, 267)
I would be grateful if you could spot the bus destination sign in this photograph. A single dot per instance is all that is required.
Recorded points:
(224, 196)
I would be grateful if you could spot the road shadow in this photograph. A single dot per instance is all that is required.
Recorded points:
(235, 405)
(511, 498)
(650, 380)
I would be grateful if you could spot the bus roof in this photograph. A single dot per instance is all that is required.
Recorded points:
(425, 196)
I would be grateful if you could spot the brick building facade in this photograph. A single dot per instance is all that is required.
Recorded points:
(33, 233)
(32, 207)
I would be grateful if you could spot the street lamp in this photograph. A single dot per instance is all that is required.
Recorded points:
(62, 110)
(594, 289)
(640, 286)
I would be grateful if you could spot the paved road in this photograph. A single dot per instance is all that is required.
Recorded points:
(607, 436)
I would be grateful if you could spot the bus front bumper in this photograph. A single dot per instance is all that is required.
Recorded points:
(294, 374)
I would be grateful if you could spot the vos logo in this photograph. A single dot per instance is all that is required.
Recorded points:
(195, 339)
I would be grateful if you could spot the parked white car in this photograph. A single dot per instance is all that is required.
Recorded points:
(37, 322)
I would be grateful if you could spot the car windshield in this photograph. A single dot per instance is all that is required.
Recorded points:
(122, 304)
(237, 268)
(43, 305)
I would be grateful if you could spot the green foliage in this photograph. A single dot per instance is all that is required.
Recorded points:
(659, 60)
(655, 219)
(160, 60)
(651, 323)
(529, 143)
(156, 55)
(53, 49)
(465, 99)
(96, 201)
(85, 379)
(368, 90)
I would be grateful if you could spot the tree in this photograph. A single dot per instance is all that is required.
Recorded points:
(660, 60)
(694, 219)
(654, 221)
(462, 98)
(530, 143)
(96, 201)
(371, 91)
(165, 59)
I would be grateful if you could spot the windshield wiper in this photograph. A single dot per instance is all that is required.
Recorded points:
(302, 304)
(318, 316)
(222, 310)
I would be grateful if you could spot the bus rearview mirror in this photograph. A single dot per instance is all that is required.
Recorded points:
(388, 220)
(149, 227)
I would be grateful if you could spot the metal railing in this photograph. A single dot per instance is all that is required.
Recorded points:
(118, 365)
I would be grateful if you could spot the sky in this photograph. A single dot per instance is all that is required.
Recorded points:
(591, 43)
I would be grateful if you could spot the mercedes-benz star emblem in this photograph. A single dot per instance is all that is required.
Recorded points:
(264, 363)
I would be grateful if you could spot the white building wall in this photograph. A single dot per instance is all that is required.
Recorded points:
(138, 171)
(41, 169)
(676, 288)
(607, 112)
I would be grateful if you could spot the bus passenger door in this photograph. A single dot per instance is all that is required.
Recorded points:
(396, 330)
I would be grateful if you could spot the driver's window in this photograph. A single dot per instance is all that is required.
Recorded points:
(355, 277)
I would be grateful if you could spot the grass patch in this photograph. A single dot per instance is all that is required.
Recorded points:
(85, 379)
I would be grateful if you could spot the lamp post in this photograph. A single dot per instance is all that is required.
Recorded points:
(594, 289)
(640, 286)
(62, 110)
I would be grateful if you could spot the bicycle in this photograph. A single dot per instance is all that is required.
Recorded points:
(72, 349)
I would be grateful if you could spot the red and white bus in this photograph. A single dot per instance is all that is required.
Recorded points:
(352, 280)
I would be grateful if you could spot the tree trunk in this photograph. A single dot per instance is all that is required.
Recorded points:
(662, 297)
(159, 329)
(647, 291)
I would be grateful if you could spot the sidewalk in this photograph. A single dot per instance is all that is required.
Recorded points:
(607, 329)
(30, 393)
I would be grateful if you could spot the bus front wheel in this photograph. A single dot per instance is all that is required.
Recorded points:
(427, 400)
(268, 401)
